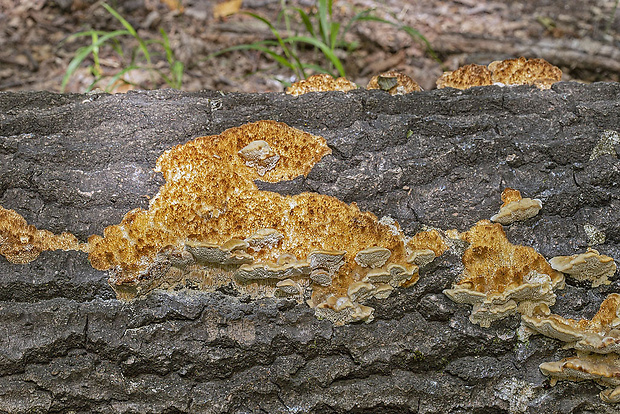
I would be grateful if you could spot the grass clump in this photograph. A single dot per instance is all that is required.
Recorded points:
(141, 56)
(319, 31)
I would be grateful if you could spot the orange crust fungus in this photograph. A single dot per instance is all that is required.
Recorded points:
(209, 225)
(519, 71)
(320, 83)
(394, 82)
(22, 243)
(501, 278)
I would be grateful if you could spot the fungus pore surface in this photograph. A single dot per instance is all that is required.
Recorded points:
(519, 71)
(320, 83)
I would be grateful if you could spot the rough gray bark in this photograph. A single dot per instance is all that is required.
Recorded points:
(79, 162)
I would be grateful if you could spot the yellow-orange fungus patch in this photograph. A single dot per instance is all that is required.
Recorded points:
(210, 225)
(501, 278)
(22, 243)
(519, 71)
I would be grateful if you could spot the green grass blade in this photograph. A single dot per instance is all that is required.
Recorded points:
(96, 67)
(166, 45)
(323, 21)
(306, 21)
(334, 35)
(89, 33)
(357, 17)
(258, 47)
(416, 34)
(131, 31)
(275, 32)
(329, 53)
(116, 77)
(81, 54)
(177, 70)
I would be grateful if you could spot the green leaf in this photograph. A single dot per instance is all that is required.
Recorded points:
(387, 82)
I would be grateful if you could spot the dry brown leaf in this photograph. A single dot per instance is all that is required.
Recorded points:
(227, 8)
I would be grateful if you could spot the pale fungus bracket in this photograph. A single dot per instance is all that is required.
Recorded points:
(394, 82)
(591, 266)
(21, 243)
(373, 257)
(596, 340)
(322, 82)
(341, 310)
(500, 278)
(515, 208)
(603, 369)
(519, 71)
(600, 335)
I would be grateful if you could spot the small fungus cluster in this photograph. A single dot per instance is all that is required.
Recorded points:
(519, 71)
(516, 208)
(394, 82)
(500, 278)
(591, 266)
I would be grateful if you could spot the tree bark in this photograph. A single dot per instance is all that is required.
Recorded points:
(441, 159)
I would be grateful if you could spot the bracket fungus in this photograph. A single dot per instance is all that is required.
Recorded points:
(591, 266)
(501, 278)
(209, 226)
(516, 208)
(394, 82)
(603, 369)
(597, 342)
(519, 71)
(600, 335)
(320, 83)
